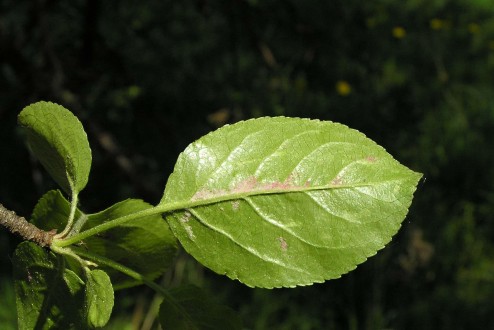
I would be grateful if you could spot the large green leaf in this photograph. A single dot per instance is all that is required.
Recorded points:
(145, 245)
(280, 202)
(58, 140)
(193, 309)
(49, 296)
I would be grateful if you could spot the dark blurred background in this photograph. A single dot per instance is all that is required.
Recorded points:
(146, 78)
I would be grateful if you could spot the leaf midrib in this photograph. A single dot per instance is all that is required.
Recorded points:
(173, 206)
(225, 197)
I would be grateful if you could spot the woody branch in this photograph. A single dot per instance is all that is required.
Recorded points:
(19, 225)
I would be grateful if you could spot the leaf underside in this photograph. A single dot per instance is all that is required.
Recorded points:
(145, 245)
(280, 202)
(58, 140)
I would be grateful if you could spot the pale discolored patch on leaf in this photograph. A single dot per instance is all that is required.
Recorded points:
(280, 202)
(283, 244)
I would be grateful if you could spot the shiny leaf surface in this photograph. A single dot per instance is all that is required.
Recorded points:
(280, 202)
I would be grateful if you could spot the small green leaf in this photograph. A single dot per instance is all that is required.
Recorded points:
(52, 211)
(193, 309)
(99, 298)
(56, 137)
(145, 245)
(48, 295)
(280, 202)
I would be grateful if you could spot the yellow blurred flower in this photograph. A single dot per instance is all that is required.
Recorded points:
(134, 91)
(371, 22)
(437, 24)
(399, 32)
(343, 88)
(473, 28)
(220, 117)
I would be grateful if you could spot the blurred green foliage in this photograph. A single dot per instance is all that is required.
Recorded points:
(8, 315)
(415, 76)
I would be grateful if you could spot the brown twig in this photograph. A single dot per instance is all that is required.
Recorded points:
(19, 225)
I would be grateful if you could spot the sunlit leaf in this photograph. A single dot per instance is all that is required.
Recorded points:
(193, 309)
(280, 202)
(56, 137)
